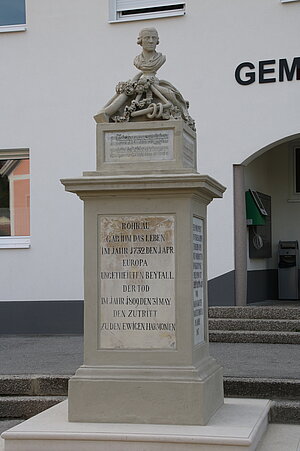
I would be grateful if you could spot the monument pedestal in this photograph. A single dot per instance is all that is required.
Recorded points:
(146, 351)
(146, 356)
(237, 426)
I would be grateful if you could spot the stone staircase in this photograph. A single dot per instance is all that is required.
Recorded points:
(284, 394)
(249, 324)
(24, 396)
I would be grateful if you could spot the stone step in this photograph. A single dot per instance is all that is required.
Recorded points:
(285, 411)
(284, 394)
(260, 312)
(26, 406)
(242, 336)
(254, 324)
(264, 388)
(34, 385)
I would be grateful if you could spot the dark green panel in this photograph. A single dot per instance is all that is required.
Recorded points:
(254, 217)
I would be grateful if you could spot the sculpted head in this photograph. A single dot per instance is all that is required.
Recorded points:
(148, 38)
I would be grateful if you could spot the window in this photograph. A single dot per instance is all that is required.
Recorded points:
(14, 198)
(126, 10)
(12, 15)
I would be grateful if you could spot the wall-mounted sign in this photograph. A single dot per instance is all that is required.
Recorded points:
(268, 71)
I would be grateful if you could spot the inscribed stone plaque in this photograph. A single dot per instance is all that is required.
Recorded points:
(136, 302)
(198, 280)
(189, 150)
(138, 146)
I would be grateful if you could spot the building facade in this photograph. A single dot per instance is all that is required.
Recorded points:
(236, 62)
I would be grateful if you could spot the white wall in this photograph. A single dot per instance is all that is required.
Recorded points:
(57, 75)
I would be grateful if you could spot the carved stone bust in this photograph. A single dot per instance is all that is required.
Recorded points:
(145, 97)
(149, 61)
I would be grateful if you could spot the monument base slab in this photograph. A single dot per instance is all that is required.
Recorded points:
(238, 425)
(165, 396)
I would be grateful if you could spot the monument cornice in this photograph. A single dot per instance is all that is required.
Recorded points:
(189, 183)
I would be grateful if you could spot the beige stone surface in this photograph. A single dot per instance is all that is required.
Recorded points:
(146, 356)
(180, 384)
(143, 396)
(136, 267)
(145, 147)
(237, 426)
(281, 437)
(91, 185)
(136, 146)
(145, 97)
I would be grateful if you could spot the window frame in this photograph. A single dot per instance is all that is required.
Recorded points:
(296, 174)
(9, 28)
(115, 11)
(14, 242)
(12, 28)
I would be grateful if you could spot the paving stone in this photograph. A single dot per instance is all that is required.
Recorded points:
(280, 437)
(258, 360)
(23, 355)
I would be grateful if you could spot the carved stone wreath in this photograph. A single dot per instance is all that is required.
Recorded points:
(148, 101)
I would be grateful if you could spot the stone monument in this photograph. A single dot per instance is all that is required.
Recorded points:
(148, 381)
(146, 340)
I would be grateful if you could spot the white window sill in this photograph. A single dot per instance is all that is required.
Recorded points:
(14, 242)
(12, 28)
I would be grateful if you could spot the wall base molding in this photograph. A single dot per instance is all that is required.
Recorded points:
(41, 317)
